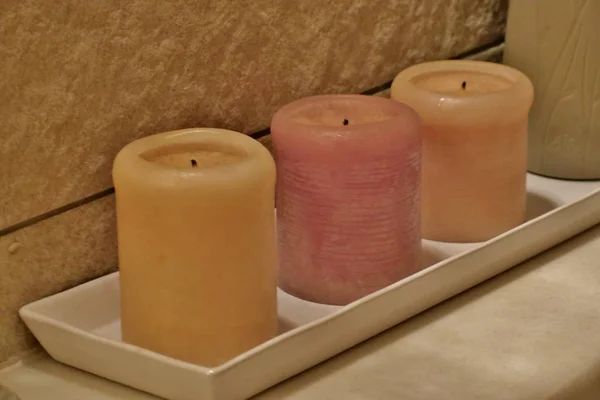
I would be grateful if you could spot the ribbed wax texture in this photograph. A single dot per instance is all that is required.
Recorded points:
(348, 207)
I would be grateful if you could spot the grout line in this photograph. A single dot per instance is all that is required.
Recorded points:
(255, 135)
(377, 89)
(479, 49)
(56, 211)
(261, 133)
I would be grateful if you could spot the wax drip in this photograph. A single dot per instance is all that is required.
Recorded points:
(194, 163)
(346, 122)
(464, 85)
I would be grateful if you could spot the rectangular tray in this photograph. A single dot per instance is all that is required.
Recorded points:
(81, 326)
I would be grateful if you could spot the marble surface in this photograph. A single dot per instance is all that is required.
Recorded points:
(6, 394)
(43, 378)
(78, 80)
(530, 333)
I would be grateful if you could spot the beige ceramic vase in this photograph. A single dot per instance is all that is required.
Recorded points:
(557, 44)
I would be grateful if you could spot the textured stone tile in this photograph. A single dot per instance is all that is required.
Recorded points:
(80, 79)
(49, 257)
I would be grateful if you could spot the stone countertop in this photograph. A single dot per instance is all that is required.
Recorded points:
(530, 333)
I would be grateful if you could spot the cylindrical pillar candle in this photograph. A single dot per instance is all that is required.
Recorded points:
(197, 253)
(347, 195)
(474, 146)
(555, 42)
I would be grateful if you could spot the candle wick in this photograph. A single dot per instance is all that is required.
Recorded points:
(346, 122)
(464, 85)
(194, 163)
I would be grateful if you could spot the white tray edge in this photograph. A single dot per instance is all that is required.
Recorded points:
(450, 277)
(279, 358)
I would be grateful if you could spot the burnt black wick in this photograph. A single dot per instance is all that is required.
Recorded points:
(464, 85)
(346, 122)
(194, 163)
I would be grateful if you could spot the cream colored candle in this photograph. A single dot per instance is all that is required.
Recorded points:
(555, 42)
(474, 146)
(197, 254)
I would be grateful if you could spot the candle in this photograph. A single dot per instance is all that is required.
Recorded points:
(347, 195)
(474, 146)
(197, 253)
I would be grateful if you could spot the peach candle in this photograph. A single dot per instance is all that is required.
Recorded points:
(197, 252)
(347, 195)
(474, 146)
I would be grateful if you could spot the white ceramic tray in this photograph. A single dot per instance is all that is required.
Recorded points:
(80, 327)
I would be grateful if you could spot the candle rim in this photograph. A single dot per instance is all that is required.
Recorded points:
(285, 115)
(131, 156)
(208, 146)
(183, 138)
(519, 81)
(473, 109)
(466, 83)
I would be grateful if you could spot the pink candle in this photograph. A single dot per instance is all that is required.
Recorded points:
(348, 176)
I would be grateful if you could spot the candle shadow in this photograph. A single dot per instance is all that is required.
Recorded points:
(430, 255)
(538, 205)
(285, 325)
(433, 252)
(294, 312)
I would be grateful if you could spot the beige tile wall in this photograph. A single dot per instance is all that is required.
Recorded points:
(78, 80)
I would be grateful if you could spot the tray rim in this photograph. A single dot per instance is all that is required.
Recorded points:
(29, 311)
